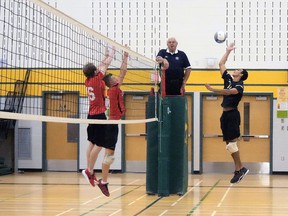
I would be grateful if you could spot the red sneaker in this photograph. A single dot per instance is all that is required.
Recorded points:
(90, 178)
(104, 188)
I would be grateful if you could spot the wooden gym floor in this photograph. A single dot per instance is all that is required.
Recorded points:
(68, 194)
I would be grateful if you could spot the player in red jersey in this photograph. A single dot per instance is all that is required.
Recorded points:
(96, 94)
(117, 110)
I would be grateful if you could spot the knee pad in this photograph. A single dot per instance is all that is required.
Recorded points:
(108, 159)
(232, 147)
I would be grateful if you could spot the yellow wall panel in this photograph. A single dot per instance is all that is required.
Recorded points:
(135, 80)
(277, 77)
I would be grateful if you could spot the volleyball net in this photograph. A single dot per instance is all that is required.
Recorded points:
(42, 53)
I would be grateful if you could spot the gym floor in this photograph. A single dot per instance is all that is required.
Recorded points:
(68, 193)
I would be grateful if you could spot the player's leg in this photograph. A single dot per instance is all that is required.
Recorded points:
(88, 151)
(238, 163)
(240, 171)
(230, 125)
(93, 157)
(110, 143)
(92, 154)
(234, 151)
(233, 133)
(107, 161)
(95, 136)
(88, 173)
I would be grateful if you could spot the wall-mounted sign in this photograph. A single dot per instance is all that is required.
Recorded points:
(282, 102)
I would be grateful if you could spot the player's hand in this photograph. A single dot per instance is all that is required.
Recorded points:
(159, 59)
(182, 90)
(106, 52)
(126, 53)
(230, 47)
(113, 51)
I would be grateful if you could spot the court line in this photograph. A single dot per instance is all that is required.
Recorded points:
(141, 197)
(222, 199)
(115, 212)
(110, 192)
(137, 199)
(189, 191)
(173, 204)
(203, 198)
(95, 198)
(224, 196)
(131, 203)
(133, 182)
(109, 201)
(151, 204)
(89, 201)
(65, 212)
(164, 212)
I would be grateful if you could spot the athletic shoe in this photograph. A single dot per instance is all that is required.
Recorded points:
(90, 178)
(245, 171)
(104, 188)
(239, 175)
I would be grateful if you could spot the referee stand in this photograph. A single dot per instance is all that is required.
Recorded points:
(167, 145)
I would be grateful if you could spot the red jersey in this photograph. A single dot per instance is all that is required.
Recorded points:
(96, 93)
(117, 108)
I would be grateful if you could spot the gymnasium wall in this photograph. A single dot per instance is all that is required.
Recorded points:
(258, 81)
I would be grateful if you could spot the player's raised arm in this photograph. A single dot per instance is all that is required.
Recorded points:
(223, 60)
(106, 61)
(232, 91)
(123, 67)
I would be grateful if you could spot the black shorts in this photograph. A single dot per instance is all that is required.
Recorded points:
(97, 132)
(173, 86)
(230, 125)
(111, 136)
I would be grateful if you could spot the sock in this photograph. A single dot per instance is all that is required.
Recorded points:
(104, 182)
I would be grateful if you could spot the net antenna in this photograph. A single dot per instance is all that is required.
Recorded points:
(42, 53)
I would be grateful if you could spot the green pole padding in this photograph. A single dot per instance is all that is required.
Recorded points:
(152, 149)
(167, 147)
(163, 150)
(179, 146)
(173, 147)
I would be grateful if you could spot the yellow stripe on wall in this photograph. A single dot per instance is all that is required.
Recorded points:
(255, 77)
(72, 80)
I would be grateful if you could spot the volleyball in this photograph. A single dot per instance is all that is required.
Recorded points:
(220, 36)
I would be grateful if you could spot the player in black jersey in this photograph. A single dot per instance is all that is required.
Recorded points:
(230, 118)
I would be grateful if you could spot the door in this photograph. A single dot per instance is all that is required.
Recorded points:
(135, 134)
(61, 138)
(254, 146)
